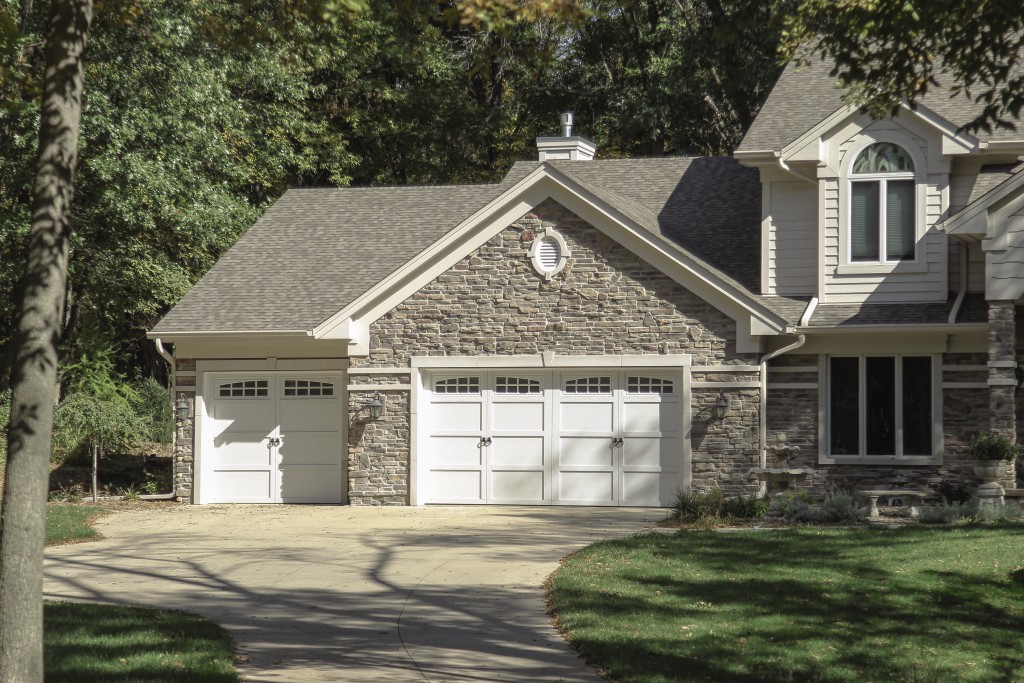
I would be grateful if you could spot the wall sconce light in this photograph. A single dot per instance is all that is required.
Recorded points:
(181, 407)
(721, 408)
(376, 406)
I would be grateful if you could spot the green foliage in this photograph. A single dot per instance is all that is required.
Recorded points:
(83, 421)
(153, 404)
(713, 508)
(947, 512)
(782, 501)
(953, 489)
(841, 507)
(746, 507)
(992, 447)
(5, 418)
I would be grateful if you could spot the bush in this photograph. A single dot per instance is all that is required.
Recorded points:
(713, 508)
(153, 402)
(799, 511)
(5, 417)
(746, 507)
(946, 512)
(782, 501)
(841, 507)
(953, 489)
(994, 447)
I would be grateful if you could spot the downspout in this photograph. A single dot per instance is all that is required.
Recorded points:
(964, 261)
(164, 353)
(763, 372)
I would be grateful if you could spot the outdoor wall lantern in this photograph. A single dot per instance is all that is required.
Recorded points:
(721, 408)
(181, 407)
(376, 406)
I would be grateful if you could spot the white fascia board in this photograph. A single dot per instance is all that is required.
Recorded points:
(973, 219)
(944, 328)
(200, 334)
(805, 147)
(544, 183)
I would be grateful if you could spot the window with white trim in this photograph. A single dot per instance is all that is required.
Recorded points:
(880, 406)
(649, 385)
(883, 218)
(246, 388)
(308, 388)
(516, 385)
(457, 385)
(588, 385)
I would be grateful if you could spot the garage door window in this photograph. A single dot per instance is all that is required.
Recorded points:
(589, 385)
(457, 385)
(246, 388)
(649, 385)
(308, 388)
(516, 385)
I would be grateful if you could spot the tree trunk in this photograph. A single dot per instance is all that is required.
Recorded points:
(34, 372)
(95, 470)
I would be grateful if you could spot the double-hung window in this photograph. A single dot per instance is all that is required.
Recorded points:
(881, 406)
(882, 198)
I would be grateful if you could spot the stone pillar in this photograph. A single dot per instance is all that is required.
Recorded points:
(184, 442)
(1002, 375)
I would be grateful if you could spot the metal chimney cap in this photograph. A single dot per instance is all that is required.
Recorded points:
(566, 120)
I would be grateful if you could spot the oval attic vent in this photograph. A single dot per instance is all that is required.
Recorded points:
(548, 254)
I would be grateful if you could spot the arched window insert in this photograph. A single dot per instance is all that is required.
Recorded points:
(882, 214)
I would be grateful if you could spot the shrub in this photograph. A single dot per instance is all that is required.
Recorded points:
(692, 506)
(799, 511)
(841, 507)
(5, 417)
(152, 401)
(746, 507)
(946, 512)
(1005, 512)
(953, 489)
(994, 447)
(782, 501)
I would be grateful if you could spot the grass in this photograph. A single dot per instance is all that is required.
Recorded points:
(71, 523)
(912, 604)
(85, 642)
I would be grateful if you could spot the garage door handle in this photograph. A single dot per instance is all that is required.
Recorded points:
(484, 441)
(272, 442)
(617, 442)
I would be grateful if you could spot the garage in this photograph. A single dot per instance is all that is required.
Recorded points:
(585, 437)
(273, 438)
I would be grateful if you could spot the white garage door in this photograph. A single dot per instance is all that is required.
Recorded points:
(579, 438)
(272, 439)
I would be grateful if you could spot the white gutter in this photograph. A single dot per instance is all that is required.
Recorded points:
(763, 372)
(799, 174)
(964, 261)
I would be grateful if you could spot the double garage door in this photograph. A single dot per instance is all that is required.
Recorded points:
(570, 438)
(272, 438)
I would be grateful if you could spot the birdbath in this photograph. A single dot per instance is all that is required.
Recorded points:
(780, 476)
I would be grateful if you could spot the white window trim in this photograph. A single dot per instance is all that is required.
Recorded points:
(825, 423)
(563, 253)
(847, 266)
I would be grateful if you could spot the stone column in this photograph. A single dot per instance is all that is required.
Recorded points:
(1002, 376)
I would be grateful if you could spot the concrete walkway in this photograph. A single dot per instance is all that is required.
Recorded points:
(319, 593)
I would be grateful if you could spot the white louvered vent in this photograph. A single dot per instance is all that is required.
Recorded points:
(548, 254)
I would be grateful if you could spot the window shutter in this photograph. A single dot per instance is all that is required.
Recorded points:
(899, 220)
(864, 222)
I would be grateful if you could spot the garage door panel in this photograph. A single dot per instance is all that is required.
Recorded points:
(242, 450)
(583, 451)
(242, 486)
(517, 417)
(243, 414)
(309, 448)
(519, 486)
(517, 450)
(457, 417)
(590, 487)
(310, 484)
(651, 452)
(648, 488)
(585, 417)
(456, 451)
(297, 413)
(649, 417)
(457, 486)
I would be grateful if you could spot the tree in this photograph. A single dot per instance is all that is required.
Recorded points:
(890, 51)
(34, 372)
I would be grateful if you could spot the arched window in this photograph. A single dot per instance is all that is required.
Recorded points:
(882, 215)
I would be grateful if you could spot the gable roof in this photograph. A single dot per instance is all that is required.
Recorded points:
(806, 95)
(316, 251)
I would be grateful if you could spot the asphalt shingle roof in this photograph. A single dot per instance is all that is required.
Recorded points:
(972, 310)
(805, 96)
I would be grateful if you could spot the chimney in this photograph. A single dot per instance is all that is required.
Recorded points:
(569, 147)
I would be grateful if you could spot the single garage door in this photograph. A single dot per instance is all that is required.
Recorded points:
(272, 439)
(569, 438)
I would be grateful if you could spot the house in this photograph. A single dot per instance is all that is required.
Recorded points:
(607, 332)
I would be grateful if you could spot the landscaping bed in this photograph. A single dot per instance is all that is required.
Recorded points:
(802, 604)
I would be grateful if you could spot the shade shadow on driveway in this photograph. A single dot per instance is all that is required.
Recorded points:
(321, 593)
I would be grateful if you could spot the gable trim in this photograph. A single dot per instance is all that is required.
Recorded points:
(972, 219)
(544, 183)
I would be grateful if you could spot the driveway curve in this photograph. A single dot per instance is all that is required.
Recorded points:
(319, 593)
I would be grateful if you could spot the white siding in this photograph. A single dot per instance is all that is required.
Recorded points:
(1007, 265)
(792, 238)
(928, 281)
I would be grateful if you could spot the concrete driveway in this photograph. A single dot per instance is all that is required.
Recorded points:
(317, 593)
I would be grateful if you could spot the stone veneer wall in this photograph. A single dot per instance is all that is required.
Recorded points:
(184, 433)
(606, 301)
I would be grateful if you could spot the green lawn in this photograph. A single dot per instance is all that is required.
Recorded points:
(912, 604)
(71, 523)
(85, 642)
